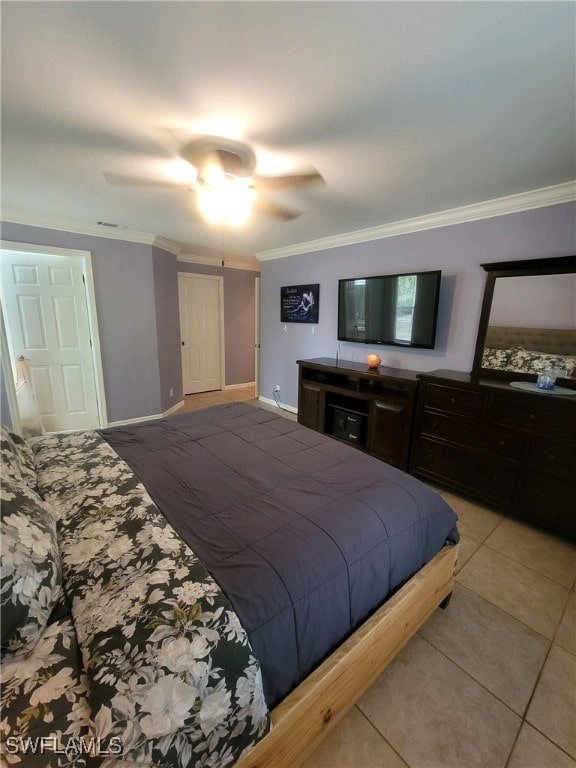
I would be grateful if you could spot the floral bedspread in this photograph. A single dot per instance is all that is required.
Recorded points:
(142, 653)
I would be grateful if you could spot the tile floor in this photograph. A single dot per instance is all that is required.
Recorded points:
(488, 683)
(201, 400)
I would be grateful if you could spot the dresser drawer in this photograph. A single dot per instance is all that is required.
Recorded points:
(553, 457)
(479, 437)
(461, 402)
(531, 416)
(550, 502)
(489, 476)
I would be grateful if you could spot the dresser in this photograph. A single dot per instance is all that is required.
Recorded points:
(513, 449)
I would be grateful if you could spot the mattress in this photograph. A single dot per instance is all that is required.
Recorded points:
(305, 535)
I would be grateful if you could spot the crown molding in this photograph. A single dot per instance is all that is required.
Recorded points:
(168, 245)
(15, 216)
(29, 219)
(215, 261)
(501, 206)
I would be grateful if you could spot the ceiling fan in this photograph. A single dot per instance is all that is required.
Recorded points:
(226, 185)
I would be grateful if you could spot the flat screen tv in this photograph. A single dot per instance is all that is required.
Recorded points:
(397, 310)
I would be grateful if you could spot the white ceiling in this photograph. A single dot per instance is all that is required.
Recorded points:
(406, 108)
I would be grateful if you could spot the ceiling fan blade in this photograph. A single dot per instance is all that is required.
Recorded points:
(119, 179)
(266, 183)
(273, 209)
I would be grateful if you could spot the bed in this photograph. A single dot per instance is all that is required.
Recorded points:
(250, 573)
(530, 350)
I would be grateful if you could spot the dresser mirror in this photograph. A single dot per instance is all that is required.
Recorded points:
(528, 320)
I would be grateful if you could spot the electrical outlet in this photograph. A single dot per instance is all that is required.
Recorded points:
(277, 388)
(171, 393)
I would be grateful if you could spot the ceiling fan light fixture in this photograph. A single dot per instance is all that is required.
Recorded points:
(211, 175)
(229, 201)
(232, 156)
(226, 189)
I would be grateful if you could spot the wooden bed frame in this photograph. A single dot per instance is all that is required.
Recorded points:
(307, 715)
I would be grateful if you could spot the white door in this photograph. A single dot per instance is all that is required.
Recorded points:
(46, 314)
(200, 302)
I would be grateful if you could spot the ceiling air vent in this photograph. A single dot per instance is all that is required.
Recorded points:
(107, 224)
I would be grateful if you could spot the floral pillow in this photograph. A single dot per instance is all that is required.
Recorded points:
(531, 361)
(528, 361)
(570, 365)
(30, 572)
(496, 358)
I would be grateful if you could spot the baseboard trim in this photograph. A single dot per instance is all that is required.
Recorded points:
(137, 420)
(284, 407)
(240, 386)
(124, 422)
(174, 408)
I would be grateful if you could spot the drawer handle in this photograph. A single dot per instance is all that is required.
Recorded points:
(453, 400)
(501, 443)
(552, 457)
(532, 417)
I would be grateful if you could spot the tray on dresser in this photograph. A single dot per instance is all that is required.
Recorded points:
(529, 386)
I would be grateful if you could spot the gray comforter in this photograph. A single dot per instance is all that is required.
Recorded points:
(306, 536)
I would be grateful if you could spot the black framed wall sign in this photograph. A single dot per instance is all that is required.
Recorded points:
(299, 303)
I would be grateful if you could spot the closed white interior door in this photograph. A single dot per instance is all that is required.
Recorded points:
(46, 314)
(201, 324)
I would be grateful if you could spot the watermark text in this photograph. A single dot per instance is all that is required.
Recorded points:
(71, 747)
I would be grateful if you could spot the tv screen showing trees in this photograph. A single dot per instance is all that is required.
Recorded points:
(396, 310)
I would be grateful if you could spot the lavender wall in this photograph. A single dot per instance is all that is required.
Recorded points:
(240, 325)
(125, 299)
(167, 327)
(137, 298)
(239, 318)
(457, 250)
(136, 287)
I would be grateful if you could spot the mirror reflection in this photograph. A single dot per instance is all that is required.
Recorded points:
(532, 325)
